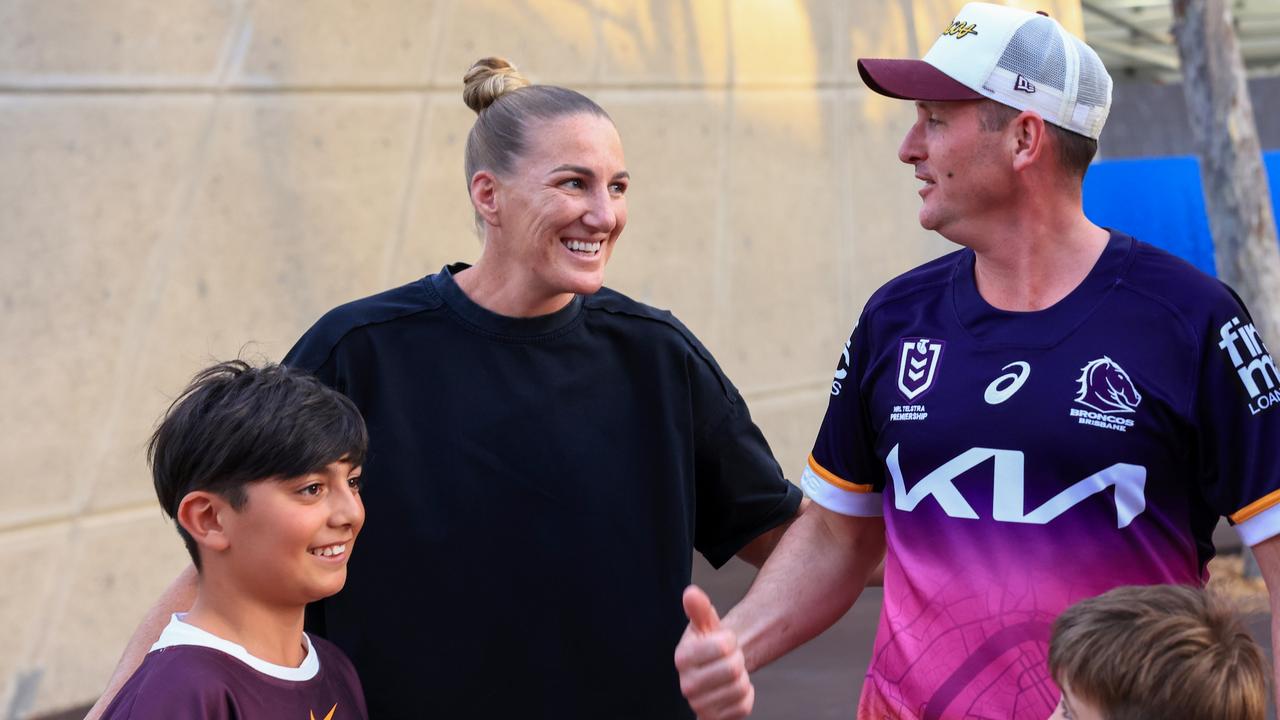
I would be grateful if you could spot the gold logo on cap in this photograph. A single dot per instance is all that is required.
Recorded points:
(960, 28)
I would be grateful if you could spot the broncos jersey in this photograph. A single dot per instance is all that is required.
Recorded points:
(1025, 460)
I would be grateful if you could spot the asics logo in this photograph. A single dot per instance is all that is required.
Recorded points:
(1003, 387)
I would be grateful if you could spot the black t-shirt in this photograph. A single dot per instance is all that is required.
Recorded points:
(535, 487)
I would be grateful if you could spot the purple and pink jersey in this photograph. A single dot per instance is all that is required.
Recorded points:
(1023, 461)
(191, 674)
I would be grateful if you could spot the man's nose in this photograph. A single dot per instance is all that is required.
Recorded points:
(911, 151)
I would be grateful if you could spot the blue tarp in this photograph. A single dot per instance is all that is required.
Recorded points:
(1159, 200)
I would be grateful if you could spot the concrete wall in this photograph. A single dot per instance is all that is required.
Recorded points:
(180, 179)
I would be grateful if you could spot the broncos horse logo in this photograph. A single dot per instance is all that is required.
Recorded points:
(1106, 387)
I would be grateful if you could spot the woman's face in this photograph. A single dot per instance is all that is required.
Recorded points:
(563, 205)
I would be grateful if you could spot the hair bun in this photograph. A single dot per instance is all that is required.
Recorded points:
(489, 79)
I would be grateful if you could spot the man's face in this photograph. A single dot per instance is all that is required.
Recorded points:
(1072, 707)
(965, 168)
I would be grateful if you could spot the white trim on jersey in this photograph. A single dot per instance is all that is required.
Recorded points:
(855, 504)
(1263, 526)
(178, 632)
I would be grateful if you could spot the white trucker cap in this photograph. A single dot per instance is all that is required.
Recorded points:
(1018, 58)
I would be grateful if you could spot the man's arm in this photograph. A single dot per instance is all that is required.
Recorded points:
(1267, 553)
(178, 597)
(758, 550)
(817, 572)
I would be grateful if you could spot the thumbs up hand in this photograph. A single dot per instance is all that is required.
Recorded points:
(713, 672)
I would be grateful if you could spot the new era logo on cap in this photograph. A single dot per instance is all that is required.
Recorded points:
(1018, 58)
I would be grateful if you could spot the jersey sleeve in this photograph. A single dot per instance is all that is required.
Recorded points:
(1237, 407)
(842, 473)
(162, 690)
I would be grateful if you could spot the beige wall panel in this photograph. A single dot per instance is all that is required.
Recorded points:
(89, 187)
(886, 237)
(90, 42)
(790, 422)
(30, 570)
(338, 42)
(552, 41)
(292, 214)
(648, 42)
(786, 41)
(439, 226)
(875, 29)
(674, 146)
(120, 564)
(781, 315)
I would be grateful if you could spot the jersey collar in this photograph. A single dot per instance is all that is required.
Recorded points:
(1039, 328)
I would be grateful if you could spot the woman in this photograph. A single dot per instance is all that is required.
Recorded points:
(544, 453)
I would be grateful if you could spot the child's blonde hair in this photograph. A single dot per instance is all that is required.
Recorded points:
(1159, 651)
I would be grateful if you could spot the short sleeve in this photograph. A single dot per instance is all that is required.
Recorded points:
(842, 474)
(174, 690)
(741, 491)
(1237, 408)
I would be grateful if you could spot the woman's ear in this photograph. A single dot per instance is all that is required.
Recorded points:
(484, 196)
(201, 514)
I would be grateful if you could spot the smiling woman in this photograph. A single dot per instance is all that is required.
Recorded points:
(548, 181)
(545, 453)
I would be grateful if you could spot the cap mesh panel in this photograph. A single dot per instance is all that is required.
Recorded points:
(1094, 81)
(1035, 52)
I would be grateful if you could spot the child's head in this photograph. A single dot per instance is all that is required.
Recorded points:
(1159, 651)
(260, 466)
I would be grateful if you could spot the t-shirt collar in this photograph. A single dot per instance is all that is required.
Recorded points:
(446, 286)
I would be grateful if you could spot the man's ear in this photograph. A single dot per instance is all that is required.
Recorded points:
(201, 514)
(1028, 139)
(484, 196)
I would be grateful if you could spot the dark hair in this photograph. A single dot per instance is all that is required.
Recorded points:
(505, 103)
(1159, 651)
(1075, 151)
(236, 424)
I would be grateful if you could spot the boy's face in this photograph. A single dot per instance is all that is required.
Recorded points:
(1072, 707)
(289, 543)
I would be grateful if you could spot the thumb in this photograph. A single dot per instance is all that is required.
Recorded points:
(702, 614)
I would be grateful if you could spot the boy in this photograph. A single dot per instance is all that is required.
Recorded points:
(259, 468)
(1157, 652)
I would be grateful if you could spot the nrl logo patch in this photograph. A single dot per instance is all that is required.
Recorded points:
(1106, 389)
(918, 362)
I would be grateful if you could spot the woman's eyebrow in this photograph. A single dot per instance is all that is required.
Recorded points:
(582, 170)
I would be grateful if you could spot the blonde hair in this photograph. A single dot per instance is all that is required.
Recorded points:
(1159, 651)
(505, 103)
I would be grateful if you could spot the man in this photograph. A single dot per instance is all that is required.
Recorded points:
(1052, 411)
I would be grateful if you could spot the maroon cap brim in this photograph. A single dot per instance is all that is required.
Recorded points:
(912, 80)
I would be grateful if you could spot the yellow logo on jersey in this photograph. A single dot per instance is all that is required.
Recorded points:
(326, 717)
